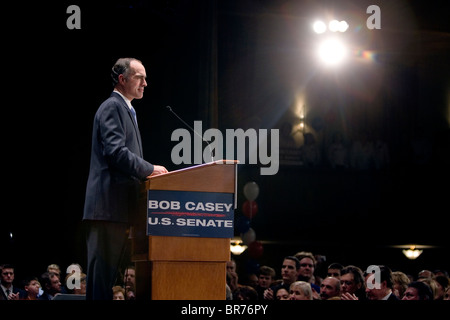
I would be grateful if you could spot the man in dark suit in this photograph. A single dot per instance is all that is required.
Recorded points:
(7, 290)
(51, 285)
(115, 185)
(379, 283)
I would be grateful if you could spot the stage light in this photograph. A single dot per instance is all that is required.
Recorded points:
(333, 26)
(343, 26)
(412, 253)
(332, 51)
(319, 27)
(237, 247)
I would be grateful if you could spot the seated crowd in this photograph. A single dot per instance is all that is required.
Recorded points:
(298, 281)
(52, 283)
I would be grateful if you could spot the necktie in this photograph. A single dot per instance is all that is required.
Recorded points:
(134, 114)
(7, 293)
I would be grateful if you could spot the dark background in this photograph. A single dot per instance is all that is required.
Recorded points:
(261, 53)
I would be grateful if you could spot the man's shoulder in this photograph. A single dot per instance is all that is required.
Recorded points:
(114, 102)
(114, 98)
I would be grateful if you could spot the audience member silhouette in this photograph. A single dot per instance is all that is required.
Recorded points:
(400, 283)
(418, 290)
(265, 280)
(330, 289)
(281, 292)
(352, 283)
(118, 293)
(306, 270)
(8, 290)
(309, 151)
(289, 274)
(50, 284)
(31, 285)
(379, 284)
(300, 290)
(362, 153)
(338, 155)
(334, 270)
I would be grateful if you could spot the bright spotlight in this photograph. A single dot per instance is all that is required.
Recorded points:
(333, 26)
(319, 27)
(343, 26)
(332, 51)
(338, 26)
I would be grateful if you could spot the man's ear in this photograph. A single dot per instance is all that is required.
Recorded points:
(122, 79)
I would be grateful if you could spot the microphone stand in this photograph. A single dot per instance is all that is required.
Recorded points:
(187, 125)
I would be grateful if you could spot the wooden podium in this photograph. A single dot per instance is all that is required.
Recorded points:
(183, 267)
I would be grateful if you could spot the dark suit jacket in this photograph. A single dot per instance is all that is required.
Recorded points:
(117, 167)
(22, 293)
(392, 297)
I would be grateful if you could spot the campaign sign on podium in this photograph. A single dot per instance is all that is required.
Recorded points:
(190, 214)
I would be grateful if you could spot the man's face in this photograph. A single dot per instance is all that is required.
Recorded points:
(134, 83)
(348, 283)
(34, 286)
(264, 281)
(328, 288)
(306, 267)
(375, 290)
(55, 284)
(231, 266)
(334, 273)
(130, 277)
(289, 271)
(7, 276)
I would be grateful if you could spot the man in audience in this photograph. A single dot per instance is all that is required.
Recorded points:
(8, 290)
(352, 283)
(289, 274)
(379, 283)
(265, 279)
(51, 285)
(330, 289)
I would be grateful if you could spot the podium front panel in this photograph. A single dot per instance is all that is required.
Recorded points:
(162, 248)
(188, 280)
(181, 267)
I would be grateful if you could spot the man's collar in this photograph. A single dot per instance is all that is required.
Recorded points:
(128, 102)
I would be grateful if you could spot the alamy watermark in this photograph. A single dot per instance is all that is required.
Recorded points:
(373, 280)
(237, 142)
(74, 20)
(74, 279)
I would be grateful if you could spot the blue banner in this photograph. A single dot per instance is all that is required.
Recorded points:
(190, 214)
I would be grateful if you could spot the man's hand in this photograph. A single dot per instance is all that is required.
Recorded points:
(348, 296)
(268, 294)
(157, 170)
(13, 296)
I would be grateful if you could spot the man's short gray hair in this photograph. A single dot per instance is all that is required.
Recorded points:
(122, 66)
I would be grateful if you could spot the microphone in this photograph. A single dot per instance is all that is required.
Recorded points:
(187, 125)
